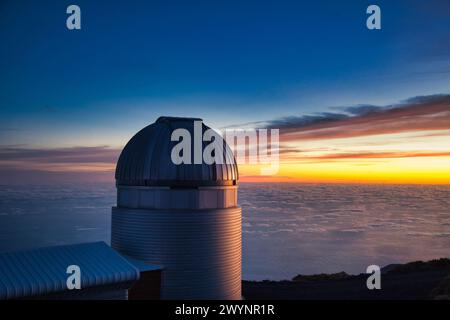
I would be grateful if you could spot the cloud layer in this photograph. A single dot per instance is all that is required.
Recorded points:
(424, 113)
(58, 159)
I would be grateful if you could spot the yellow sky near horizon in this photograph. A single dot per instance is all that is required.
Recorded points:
(412, 157)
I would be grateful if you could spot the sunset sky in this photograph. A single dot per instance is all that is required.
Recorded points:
(352, 105)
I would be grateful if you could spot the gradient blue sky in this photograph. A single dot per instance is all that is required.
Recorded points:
(228, 62)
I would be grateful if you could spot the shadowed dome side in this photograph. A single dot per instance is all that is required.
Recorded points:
(146, 159)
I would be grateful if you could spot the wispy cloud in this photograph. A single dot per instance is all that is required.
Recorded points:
(422, 113)
(58, 159)
(373, 155)
(8, 129)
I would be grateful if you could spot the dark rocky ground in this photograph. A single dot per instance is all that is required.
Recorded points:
(415, 280)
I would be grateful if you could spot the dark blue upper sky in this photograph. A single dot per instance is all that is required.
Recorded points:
(226, 61)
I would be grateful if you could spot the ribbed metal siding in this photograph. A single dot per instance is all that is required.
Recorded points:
(200, 250)
(42, 271)
(146, 159)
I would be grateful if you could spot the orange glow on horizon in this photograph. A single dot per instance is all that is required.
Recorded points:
(406, 158)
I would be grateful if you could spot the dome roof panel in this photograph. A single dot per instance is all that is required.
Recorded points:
(146, 159)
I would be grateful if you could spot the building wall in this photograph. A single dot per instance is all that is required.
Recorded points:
(169, 198)
(199, 249)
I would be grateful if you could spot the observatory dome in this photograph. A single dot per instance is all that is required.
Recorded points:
(146, 159)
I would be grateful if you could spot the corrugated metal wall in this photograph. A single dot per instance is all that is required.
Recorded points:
(200, 250)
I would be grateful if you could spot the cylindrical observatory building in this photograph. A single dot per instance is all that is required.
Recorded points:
(183, 217)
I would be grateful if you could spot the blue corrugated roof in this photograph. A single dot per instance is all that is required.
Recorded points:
(43, 271)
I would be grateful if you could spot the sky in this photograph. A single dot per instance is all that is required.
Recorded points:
(352, 104)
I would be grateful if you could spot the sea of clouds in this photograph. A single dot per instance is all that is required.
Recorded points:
(287, 228)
